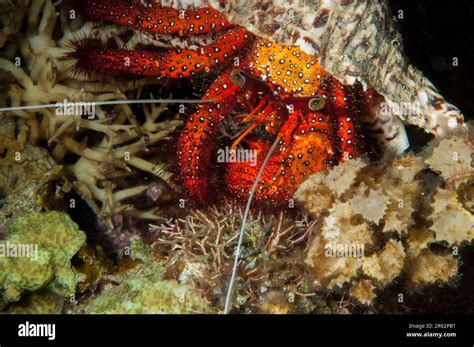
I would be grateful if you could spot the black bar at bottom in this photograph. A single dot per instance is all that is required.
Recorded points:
(450, 330)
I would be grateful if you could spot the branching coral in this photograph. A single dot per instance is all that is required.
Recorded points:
(199, 251)
(395, 211)
(110, 160)
(111, 144)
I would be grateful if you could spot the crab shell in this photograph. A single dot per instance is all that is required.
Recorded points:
(356, 40)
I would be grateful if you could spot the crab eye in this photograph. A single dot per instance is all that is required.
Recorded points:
(237, 77)
(317, 103)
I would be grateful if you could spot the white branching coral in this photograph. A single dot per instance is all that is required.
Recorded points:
(111, 142)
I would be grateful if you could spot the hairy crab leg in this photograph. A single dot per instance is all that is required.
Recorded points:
(195, 143)
(92, 60)
(154, 19)
(341, 109)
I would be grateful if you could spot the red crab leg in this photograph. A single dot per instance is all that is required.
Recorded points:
(94, 60)
(304, 148)
(341, 111)
(154, 19)
(195, 143)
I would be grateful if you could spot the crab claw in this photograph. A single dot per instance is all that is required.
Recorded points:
(304, 147)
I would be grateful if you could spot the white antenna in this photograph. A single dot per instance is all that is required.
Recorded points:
(111, 102)
(244, 221)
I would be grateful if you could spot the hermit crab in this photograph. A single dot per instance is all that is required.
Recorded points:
(315, 119)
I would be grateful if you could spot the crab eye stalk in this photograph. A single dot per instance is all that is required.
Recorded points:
(237, 77)
(317, 103)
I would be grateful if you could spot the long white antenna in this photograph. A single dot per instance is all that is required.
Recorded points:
(110, 102)
(244, 221)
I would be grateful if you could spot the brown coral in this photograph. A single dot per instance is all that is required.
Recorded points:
(429, 268)
(451, 222)
(413, 211)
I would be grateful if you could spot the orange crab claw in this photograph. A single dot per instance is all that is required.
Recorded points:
(304, 148)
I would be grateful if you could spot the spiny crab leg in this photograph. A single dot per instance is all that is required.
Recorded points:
(92, 59)
(195, 143)
(154, 19)
(340, 107)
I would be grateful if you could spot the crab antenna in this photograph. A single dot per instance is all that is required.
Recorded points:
(244, 221)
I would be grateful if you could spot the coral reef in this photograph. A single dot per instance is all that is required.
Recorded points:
(143, 290)
(199, 250)
(382, 222)
(110, 145)
(43, 245)
(29, 177)
(362, 231)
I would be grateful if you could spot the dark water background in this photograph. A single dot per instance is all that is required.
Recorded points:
(433, 33)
